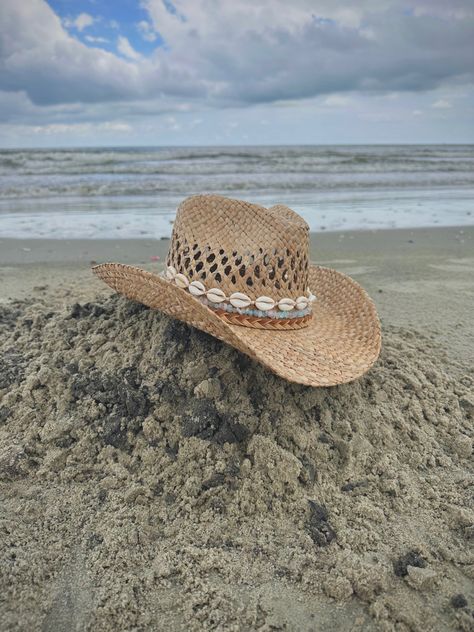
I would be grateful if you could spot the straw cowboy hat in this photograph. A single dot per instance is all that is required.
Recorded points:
(241, 272)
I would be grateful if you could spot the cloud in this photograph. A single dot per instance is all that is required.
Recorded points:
(270, 50)
(172, 123)
(39, 57)
(126, 49)
(146, 31)
(96, 39)
(82, 21)
(337, 100)
(231, 54)
(459, 9)
(105, 128)
(442, 104)
(64, 128)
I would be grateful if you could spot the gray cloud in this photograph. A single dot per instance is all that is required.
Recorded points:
(242, 53)
(388, 51)
(39, 57)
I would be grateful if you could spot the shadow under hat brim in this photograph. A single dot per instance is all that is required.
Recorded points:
(340, 344)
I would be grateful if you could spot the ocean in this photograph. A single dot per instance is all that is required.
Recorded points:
(134, 192)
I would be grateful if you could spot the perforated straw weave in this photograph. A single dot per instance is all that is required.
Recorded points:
(241, 247)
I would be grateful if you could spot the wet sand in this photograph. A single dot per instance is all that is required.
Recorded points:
(154, 478)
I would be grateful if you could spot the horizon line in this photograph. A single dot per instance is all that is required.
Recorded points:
(232, 145)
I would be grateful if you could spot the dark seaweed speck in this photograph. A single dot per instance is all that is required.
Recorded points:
(318, 526)
(458, 601)
(412, 558)
(206, 423)
(11, 368)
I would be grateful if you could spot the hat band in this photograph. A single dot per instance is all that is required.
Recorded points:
(263, 312)
(259, 322)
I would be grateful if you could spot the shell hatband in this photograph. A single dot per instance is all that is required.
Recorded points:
(239, 300)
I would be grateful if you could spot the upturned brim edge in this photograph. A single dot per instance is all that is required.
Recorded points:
(341, 343)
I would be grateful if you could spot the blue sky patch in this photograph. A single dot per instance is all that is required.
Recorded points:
(111, 20)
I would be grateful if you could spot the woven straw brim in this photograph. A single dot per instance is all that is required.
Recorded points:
(341, 343)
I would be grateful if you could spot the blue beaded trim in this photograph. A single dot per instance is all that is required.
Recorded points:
(271, 313)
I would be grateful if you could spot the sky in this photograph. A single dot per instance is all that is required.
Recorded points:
(235, 72)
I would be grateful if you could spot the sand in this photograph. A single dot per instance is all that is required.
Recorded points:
(153, 478)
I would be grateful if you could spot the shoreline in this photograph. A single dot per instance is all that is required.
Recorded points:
(19, 251)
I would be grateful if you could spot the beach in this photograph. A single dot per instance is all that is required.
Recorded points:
(155, 478)
(288, 445)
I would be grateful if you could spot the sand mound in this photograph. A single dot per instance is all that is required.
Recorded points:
(154, 478)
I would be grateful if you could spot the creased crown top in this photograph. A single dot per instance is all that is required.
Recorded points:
(241, 247)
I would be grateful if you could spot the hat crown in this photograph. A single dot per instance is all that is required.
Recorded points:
(241, 247)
